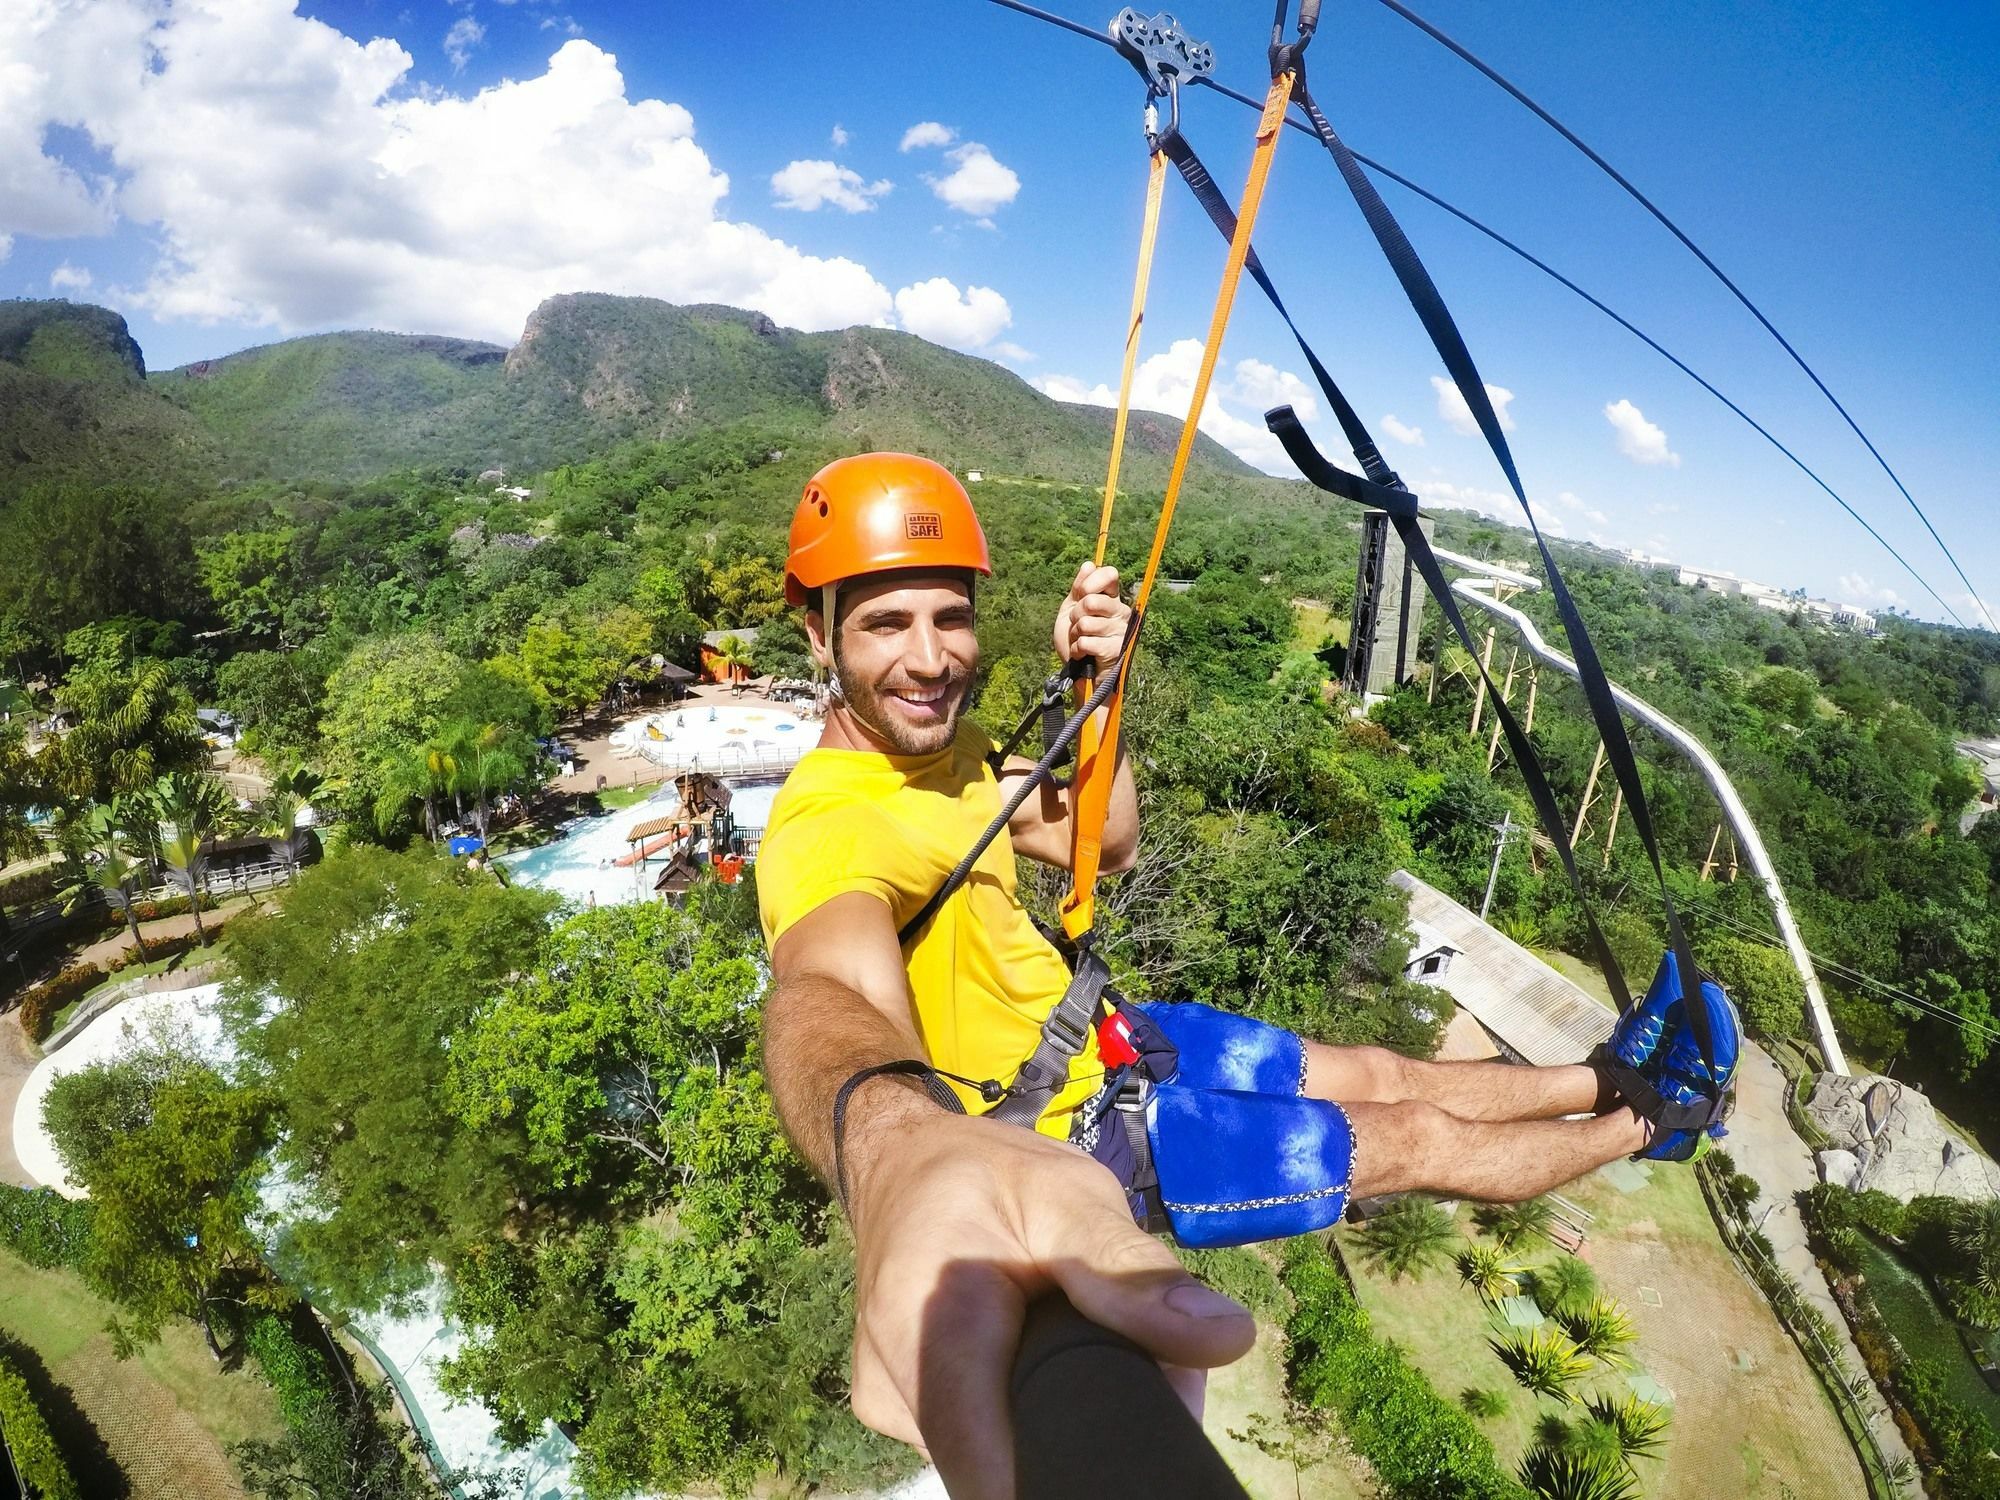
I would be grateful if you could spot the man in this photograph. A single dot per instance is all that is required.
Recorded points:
(960, 1221)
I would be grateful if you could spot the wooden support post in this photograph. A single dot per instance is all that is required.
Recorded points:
(1708, 865)
(1534, 681)
(1617, 807)
(1589, 796)
(1486, 667)
(1732, 856)
(1507, 697)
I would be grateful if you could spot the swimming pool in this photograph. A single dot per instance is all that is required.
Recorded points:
(583, 863)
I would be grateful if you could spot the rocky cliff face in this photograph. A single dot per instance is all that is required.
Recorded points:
(1887, 1137)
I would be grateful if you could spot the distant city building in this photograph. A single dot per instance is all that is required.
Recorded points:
(1764, 596)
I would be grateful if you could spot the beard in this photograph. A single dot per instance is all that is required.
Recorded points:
(870, 704)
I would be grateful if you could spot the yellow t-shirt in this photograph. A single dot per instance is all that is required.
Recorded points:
(982, 979)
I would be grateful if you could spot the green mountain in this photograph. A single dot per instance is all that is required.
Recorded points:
(592, 371)
(75, 404)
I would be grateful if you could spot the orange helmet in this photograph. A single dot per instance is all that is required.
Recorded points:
(877, 513)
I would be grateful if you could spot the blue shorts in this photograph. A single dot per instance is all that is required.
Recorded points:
(1240, 1153)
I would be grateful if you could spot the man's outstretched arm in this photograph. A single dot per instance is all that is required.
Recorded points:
(958, 1222)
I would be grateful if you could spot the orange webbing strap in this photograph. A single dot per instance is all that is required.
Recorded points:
(1094, 769)
(1092, 802)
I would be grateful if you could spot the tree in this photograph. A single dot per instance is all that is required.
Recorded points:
(95, 842)
(1762, 982)
(20, 787)
(611, 1051)
(195, 805)
(275, 697)
(134, 724)
(246, 575)
(1513, 1224)
(79, 553)
(488, 758)
(355, 1055)
(1409, 1240)
(174, 1188)
(386, 699)
(1551, 1473)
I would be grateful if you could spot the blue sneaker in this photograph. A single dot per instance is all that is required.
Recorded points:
(1657, 1042)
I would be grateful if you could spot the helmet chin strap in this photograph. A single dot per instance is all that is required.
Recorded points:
(829, 596)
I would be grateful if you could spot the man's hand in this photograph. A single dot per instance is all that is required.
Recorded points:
(959, 1223)
(1092, 620)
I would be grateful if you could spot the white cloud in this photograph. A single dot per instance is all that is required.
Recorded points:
(808, 185)
(840, 136)
(567, 25)
(1662, 508)
(292, 179)
(927, 133)
(978, 184)
(6, 246)
(1458, 416)
(1855, 588)
(1577, 506)
(1639, 440)
(1402, 432)
(937, 311)
(1165, 383)
(1500, 505)
(69, 278)
(465, 34)
(1014, 352)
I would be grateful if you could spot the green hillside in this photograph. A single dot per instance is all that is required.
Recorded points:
(74, 404)
(593, 371)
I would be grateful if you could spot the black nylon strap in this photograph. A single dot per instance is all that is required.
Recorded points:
(910, 1067)
(1223, 217)
(1430, 308)
(1065, 1033)
(1401, 507)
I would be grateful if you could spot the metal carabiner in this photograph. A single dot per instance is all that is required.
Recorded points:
(1165, 56)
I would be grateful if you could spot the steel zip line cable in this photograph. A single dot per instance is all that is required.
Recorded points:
(1467, 55)
(1065, 24)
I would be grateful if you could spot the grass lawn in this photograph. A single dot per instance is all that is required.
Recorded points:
(1312, 624)
(1254, 1388)
(1924, 1327)
(614, 798)
(162, 1420)
(1750, 1419)
(1579, 973)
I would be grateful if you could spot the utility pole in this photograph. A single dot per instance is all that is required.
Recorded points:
(1506, 828)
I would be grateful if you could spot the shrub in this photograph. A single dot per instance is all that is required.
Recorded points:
(295, 1371)
(1486, 1269)
(36, 1456)
(1479, 1402)
(32, 887)
(1422, 1447)
(1640, 1426)
(1243, 1274)
(40, 1002)
(44, 1228)
(1545, 1361)
(1565, 1474)
(1600, 1329)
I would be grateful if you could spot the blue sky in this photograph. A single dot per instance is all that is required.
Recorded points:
(227, 172)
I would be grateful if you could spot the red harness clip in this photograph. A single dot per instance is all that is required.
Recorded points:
(1115, 1041)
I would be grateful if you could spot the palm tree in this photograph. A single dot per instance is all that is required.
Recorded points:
(487, 758)
(1545, 1361)
(1513, 1223)
(1601, 1329)
(423, 773)
(195, 805)
(1409, 1240)
(133, 722)
(98, 833)
(1975, 1235)
(1567, 1282)
(1486, 1269)
(733, 654)
(1552, 1473)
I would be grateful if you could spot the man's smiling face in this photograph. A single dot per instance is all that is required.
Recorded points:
(904, 653)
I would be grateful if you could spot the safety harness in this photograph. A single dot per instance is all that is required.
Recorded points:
(1166, 58)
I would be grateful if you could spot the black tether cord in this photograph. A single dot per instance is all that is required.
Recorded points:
(1044, 770)
(1431, 311)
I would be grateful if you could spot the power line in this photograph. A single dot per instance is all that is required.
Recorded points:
(1701, 255)
(1077, 28)
(1853, 977)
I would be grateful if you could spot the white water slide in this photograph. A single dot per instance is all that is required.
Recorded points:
(1478, 593)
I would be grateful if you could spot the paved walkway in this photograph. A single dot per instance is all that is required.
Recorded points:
(114, 943)
(1763, 1144)
(18, 1057)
